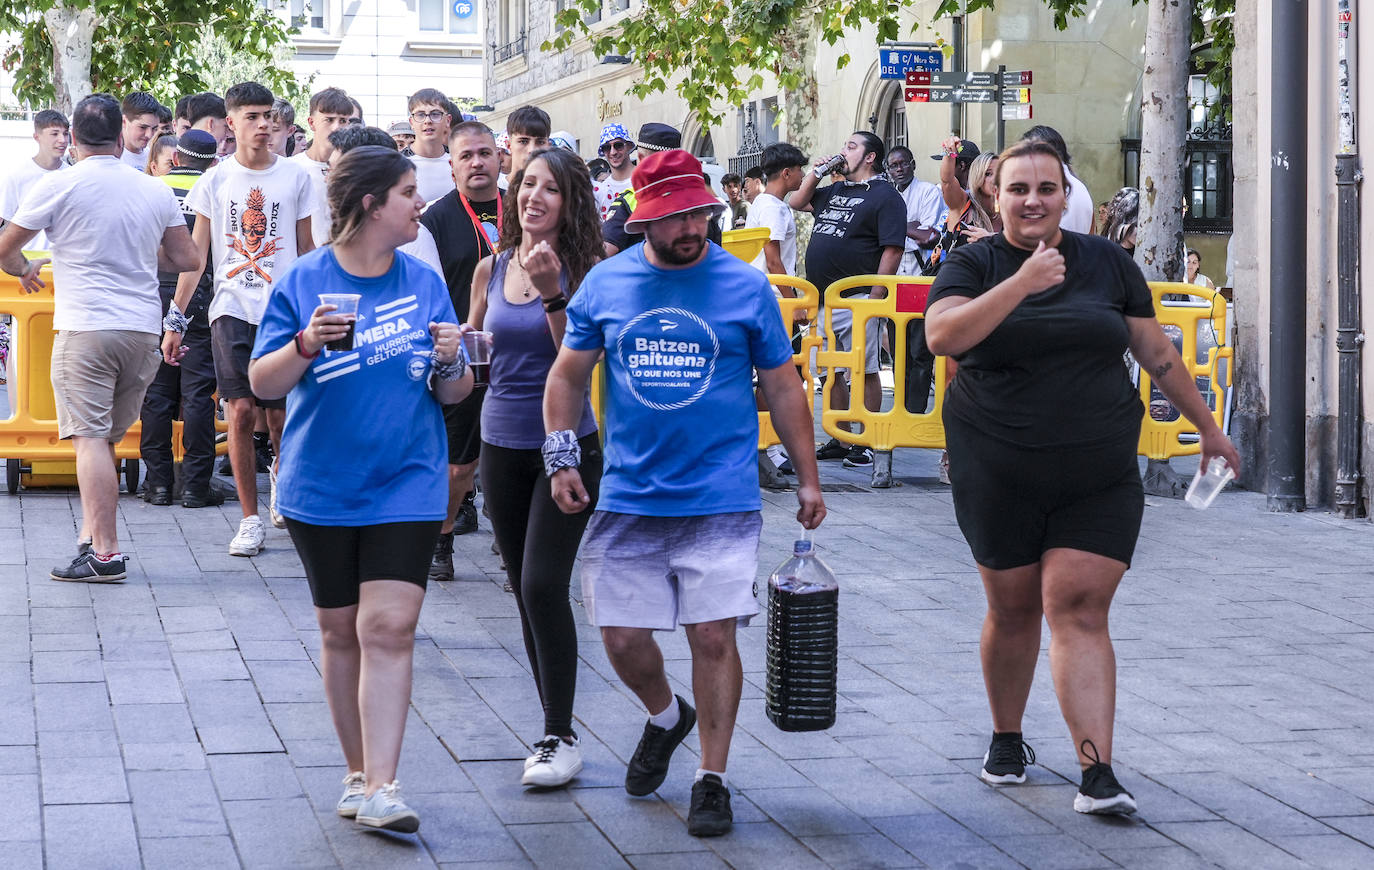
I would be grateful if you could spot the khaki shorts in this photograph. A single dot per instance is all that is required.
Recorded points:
(99, 378)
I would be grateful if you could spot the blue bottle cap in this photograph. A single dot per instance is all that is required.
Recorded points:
(802, 546)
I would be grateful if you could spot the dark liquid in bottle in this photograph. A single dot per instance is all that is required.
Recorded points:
(345, 343)
(480, 373)
(803, 643)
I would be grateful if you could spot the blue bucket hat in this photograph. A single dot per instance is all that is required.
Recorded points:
(611, 132)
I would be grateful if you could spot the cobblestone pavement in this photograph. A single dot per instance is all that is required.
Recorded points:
(178, 720)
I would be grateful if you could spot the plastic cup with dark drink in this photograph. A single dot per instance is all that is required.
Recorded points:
(478, 346)
(345, 305)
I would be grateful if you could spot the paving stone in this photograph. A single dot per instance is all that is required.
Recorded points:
(1331, 851)
(176, 803)
(499, 784)
(89, 780)
(277, 833)
(636, 825)
(143, 683)
(573, 846)
(254, 776)
(860, 851)
(1228, 844)
(762, 846)
(164, 756)
(178, 853)
(82, 836)
(25, 820)
(72, 707)
(22, 854)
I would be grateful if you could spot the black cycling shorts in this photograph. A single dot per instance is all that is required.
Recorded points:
(1013, 503)
(339, 559)
(463, 422)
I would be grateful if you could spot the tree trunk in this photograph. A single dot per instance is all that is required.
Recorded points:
(71, 30)
(1163, 126)
(799, 105)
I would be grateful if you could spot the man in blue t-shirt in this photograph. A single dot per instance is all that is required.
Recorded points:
(675, 535)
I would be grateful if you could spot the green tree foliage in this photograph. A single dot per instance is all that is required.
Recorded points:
(151, 45)
(713, 51)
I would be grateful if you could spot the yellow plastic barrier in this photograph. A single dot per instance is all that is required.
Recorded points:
(808, 300)
(895, 427)
(1166, 432)
(28, 439)
(745, 244)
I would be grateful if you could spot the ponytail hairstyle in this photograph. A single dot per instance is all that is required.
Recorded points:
(366, 171)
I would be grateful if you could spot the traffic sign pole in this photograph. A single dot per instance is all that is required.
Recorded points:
(1001, 119)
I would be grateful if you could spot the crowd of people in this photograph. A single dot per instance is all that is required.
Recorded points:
(388, 317)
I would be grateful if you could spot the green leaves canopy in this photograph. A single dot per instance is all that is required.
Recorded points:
(149, 45)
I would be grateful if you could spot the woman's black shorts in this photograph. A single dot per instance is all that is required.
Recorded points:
(339, 559)
(1013, 503)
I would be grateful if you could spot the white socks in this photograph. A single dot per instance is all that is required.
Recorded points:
(702, 772)
(668, 718)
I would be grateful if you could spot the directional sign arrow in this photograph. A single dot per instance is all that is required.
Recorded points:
(1016, 95)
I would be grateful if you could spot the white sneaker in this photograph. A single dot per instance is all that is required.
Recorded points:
(554, 763)
(354, 786)
(385, 809)
(277, 519)
(252, 535)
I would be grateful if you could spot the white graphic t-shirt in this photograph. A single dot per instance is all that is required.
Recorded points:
(253, 214)
(14, 185)
(606, 192)
(768, 211)
(433, 176)
(320, 217)
(136, 159)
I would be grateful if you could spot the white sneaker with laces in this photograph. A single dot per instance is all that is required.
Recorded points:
(252, 535)
(354, 786)
(385, 809)
(554, 763)
(277, 519)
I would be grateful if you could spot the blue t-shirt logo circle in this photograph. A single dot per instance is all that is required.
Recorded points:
(669, 356)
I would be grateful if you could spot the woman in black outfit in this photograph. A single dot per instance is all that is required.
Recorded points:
(550, 237)
(1043, 426)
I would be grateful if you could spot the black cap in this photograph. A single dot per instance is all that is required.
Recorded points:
(966, 153)
(197, 144)
(658, 137)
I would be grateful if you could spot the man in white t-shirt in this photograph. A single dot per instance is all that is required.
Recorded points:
(1079, 209)
(430, 119)
(253, 212)
(52, 133)
(616, 147)
(925, 208)
(140, 111)
(329, 111)
(111, 228)
(783, 167)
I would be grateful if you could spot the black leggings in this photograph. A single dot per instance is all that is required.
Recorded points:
(539, 543)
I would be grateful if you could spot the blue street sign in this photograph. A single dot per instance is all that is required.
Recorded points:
(463, 8)
(893, 63)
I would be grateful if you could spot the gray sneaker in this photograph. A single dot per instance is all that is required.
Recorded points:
(89, 568)
(385, 809)
(354, 786)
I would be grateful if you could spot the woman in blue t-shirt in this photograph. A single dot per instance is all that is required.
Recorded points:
(363, 473)
(1043, 425)
(550, 237)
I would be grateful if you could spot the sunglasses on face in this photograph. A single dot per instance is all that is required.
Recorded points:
(617, 145)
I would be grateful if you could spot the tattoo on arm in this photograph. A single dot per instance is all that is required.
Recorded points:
(1161, 371)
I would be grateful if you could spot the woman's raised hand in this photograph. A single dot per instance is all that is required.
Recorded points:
(446, 337)
(543, 267)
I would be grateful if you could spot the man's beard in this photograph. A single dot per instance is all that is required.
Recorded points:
(670, 252)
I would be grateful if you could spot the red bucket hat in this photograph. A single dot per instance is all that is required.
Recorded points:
(665, 184)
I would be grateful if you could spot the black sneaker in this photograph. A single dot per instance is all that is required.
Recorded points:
(466, 520)
(160, 496)
(833, 449)
(710, 814)
(649, 765)
(1100, 794)
(441, 565)
(210, 497)
(262, 449)
(90, 568)
(226, 468)
(1006, 759)
(858, 457)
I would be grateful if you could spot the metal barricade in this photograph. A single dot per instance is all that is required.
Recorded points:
(896, 427)
(805, 340)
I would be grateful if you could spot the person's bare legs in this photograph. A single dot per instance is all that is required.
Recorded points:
(717, 678)
(460, 483)
(341, 663)
(387, 613)
(1078, 589)
(241, 415)
(639, 663)
(276, 422)
(1010, 642)
(99, 484)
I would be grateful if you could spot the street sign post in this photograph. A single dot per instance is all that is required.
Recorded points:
(962, 78)
(895, 63)
(1010, 90)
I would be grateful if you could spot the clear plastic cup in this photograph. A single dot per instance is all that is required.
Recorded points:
(1208, 483)
(346, 305)
(478, 345)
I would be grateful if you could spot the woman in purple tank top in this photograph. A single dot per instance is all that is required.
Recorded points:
(550, 237)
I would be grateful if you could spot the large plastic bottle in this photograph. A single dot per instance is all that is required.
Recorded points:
(803, 641)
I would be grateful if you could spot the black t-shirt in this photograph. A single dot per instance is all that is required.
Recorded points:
(1051, 375)
(613, 227)
(854, 222)
(461, 243)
